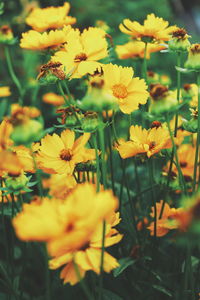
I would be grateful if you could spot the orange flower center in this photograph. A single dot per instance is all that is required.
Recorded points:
(80, 57)
(66, 154)
(119, 91)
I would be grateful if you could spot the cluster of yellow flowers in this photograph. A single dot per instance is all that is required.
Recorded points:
(75, 215)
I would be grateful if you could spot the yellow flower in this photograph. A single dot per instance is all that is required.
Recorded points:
(41, 19)
(154, 28)
(10, 164)
(4, 91)
(82, 54)
(60, 185)
(168, 221)
(25, 157)
(129, 91)
(60, 154)
(135, 49)
(89, 256)
(53, 39)
(144, 141)
(186, 154)
(5, 132)
(65, 225)
(54, 99)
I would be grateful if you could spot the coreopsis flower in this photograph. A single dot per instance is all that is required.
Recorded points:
(10, 164)
(167, 222)
(41, 19)
(5, 91)
(25, 155)
(60, 154)
(129, 91)
(179, 40)
(82, 54)
(5, 132)
(65, 225)
(136, 49)
(60, 185)
(143, 141)
(54, 39)
(186, 154)
(193, 61)
(54, 99)
(154, 29)
(89, 256)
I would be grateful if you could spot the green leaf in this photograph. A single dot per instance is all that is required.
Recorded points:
(162, 290)
(124, 264)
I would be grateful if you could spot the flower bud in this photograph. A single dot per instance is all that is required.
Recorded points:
(27, 132)
(16, 183)
(50, 73)
(70, 116)
(163, 100)
(193, 61)
(179, 41)
(6, 35)
(90, 121)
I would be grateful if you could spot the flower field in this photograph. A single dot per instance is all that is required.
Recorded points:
(99, 152)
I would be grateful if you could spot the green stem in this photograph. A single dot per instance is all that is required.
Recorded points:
(153, 200)
(104, 181)
(175, 129)
(145, 62)
(178, 91)
(198, 138)
(13, 75)
(113, 127)
(67, 102)
(80, 279)
(180, 174)
(97, 163)
(111, 156)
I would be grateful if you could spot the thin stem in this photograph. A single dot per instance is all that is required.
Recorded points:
(13, 75)
(67, 101)
(178, 91)
(175, 129)
(80, 279)
(180, 174)
(151, 178)
(113, 127)
(97, 163)
(111, 156)
(104, 181)
(198, 138)
(145, 62)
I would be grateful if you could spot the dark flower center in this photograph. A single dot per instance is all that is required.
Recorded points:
(66, 154)
(80, 57)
